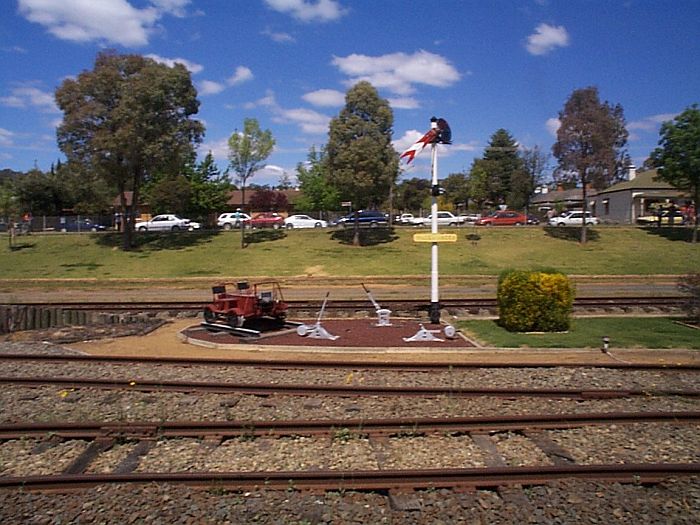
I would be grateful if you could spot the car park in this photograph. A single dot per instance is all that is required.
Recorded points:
(444, 218)
(573, 218)
(503, 218)
(365, 218)
(228, 221)
(163, 222)
(267, 220)
(303, 221)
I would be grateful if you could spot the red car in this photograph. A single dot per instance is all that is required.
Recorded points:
(267, 220)
(503, 218)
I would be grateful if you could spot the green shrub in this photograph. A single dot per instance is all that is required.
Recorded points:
(538, 301)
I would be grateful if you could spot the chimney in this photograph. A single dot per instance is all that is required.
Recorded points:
(631, 172)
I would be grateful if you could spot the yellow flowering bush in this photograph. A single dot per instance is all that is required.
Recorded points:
(535, 301)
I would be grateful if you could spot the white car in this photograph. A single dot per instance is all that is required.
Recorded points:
(304, 221)
(228, 221)
(405, 218)
(573, 218)
(165, 222)
(444, 218)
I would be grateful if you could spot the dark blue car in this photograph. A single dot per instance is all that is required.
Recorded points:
(83, 225)
(366, 218)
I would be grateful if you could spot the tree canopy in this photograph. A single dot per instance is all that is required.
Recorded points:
(678, 156)
(317, 194)
(590, 142)
(248, 149)
(361, 162)
(128, 119)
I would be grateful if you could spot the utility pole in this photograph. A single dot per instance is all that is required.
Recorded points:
(435, 192)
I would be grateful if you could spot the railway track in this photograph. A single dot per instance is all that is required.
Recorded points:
(353, 390)
(146, 439)
(397, 364)
(396, 305)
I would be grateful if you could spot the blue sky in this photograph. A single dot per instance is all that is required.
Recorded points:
(481, 65)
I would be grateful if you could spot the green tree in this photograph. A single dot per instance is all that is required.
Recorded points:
(8, 201)
(43, 193)
(535, 162)
(479, 187)
(590, 143)
(127, 119)
(316, 192)
(248, 149)
(209, 189)
(411, 194)
(361, 161)
(502, 165)
(678, 155)
(456, 190)
(169, 194)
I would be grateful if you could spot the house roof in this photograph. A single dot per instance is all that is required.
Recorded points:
(573, 195)
(235, 196)
(643, 181)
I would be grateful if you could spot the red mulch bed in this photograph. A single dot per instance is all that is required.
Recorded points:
(351, 332)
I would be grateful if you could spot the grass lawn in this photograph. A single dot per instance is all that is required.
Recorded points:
(624, 332)
(386, 252)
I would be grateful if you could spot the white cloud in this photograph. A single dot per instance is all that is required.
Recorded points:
(29, 96)
(650, 123)
(218, 148)
(278, 37)
(308, 120)
(398, 72)
(112, 21)
(546, 38)
(192, 67)
(242, 74)
(173, 7)
(6, 137)
(404, 103)
(325, 97)
(309, 10)
(552, 125)
(209, 87)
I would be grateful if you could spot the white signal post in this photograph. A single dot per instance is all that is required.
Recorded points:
(434, 294)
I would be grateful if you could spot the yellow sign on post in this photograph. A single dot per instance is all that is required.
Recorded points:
(434, 237)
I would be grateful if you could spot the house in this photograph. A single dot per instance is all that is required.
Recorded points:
(559, 199)
(235, 199)
(623, 202)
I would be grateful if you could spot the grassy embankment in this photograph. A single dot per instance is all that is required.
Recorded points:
(610, 251)
(95, 258)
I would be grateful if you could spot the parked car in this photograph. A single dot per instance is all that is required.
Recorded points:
(470, 218)
(228, 221)
(666, 216)
(303, 221)
(369, 218)
(533, 219)
(404, 218)
(72, 224)
(444, 218)
(164, 222)
(503, 218)
(267, 220)
(573, 218)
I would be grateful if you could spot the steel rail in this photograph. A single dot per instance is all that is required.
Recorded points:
(369, 427)
(361, 304)
(143, 385)
(285, 364)
(488, 477)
